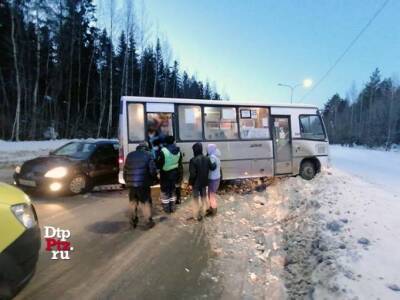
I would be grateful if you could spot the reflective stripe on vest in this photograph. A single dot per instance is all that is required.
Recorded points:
(170, 160)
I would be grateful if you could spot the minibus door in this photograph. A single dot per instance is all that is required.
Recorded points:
(282, 145)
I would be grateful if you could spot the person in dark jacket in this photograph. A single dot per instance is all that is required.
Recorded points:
(139, 174)
(169, 162)
(199, 168)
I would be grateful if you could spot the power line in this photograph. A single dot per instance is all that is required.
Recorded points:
(357, 37)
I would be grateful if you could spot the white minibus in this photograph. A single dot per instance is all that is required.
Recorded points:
(255, 139)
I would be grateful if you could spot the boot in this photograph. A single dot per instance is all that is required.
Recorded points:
(178, 195)
(150, 224)
(172, 206)
(166, 208)
(134, 222)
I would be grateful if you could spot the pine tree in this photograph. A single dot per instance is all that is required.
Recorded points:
(61, 76)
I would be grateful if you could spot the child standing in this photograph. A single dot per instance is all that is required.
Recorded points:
(214, 176)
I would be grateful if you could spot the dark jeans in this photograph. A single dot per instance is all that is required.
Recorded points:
(199, 202)
(168, 183)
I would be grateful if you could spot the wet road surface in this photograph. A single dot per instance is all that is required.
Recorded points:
(110, 260)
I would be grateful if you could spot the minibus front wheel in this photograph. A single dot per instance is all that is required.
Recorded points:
(308, 169)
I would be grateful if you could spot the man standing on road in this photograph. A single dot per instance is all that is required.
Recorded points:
(170, 164)
(199, 167)
(139, 174)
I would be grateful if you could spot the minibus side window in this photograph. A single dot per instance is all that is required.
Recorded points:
(159, 126)
(190, 123)
(254, 123)
(311, 127)
(220, 123)
(136, 122)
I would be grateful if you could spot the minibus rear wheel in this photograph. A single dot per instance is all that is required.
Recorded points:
(308, 170)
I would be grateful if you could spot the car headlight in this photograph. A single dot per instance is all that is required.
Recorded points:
(17, 169)
(58, 172)
(25, 214)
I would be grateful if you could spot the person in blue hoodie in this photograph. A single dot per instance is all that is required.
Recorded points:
(169, 162)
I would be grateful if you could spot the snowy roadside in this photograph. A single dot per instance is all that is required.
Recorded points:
(364, 219)
(13, 153)
(330, 238)
(374, 166)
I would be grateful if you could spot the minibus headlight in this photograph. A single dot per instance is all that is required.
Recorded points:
(24, 213)
(58, 172)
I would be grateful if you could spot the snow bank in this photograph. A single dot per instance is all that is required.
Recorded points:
(368, 228)
(393, 147)
(12, 153)
(374, 166)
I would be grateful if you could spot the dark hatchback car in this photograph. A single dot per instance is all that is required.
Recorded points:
(73, 168)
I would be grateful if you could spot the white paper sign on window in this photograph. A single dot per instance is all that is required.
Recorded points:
(265, 122)
(190, 116)
(245, 114)
(228, 113)
(254, 114)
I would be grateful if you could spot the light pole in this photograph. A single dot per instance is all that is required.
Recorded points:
(306, 84)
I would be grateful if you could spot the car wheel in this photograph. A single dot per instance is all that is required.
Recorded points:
(78, 184)
(307, 170)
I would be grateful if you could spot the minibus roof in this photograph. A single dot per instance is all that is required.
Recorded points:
(212, 102)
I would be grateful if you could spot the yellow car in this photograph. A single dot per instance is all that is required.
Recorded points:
(19, 240)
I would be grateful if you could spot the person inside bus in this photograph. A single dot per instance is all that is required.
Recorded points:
(165, 128)
(152, 133)
(154, 138)
(214, 177)
(170, 164)
(139, 173)
(199, 167)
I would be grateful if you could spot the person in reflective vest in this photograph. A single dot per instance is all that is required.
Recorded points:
(170, 164)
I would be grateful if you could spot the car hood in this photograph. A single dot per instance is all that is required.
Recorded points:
(43, 164)
(10, 195)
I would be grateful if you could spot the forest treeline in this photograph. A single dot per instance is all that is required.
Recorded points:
(370, 117)
(62, 75)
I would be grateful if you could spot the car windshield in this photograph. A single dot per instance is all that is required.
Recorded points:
(75, 150)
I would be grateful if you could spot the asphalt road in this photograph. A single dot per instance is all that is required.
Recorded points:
(110, 260)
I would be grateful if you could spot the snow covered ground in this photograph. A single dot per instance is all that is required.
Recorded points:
(12, 153)
(335, 237)
(365, 191)
(374, 166)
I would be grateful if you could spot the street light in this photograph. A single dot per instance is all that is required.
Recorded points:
(306, 84)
